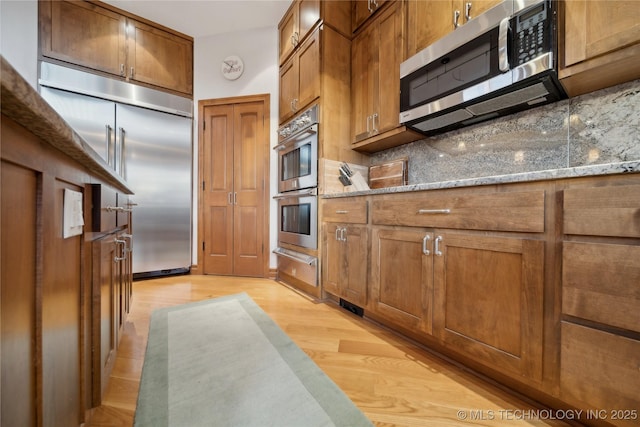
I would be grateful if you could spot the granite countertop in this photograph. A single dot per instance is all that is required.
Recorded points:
(22, 103)
(582, 171)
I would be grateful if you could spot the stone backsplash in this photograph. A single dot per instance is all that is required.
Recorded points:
(598, 128)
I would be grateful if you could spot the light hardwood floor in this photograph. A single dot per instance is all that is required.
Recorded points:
(394, 382)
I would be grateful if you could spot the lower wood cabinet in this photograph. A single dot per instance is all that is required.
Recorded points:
(402, 277)
(488, 299)
(345, 248)
(344, 267)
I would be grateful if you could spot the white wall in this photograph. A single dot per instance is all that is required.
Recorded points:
(259, 51)
(19, 37)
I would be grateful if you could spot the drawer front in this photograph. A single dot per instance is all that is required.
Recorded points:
(517, 211)
(603, 211)
(591, 357)
(601, 282)
(345, 211)
(103, 197)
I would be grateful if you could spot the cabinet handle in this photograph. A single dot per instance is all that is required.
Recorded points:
(117, 209)
(467, 11)
(130, 238)
(122, 243)
(229, 198)
(368, 127)
(337, 231)
(122, 73)
(369, 6)
(342, 236)
(374, 128)
(456, 16)
(131, 73)
(433, 211)
(235, 198)
(425, 239)
(436, 246)
(293, 40)
(342, 212)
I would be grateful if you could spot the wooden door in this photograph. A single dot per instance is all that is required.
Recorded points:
(83, 33)
(488, 296)
(402, 277)
(234, 202)
(309, 14)
(333, 262)
(159, 58)
(427, 22)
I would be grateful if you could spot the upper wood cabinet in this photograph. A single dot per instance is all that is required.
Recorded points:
(301, 18)
(159, 58)
(428, 21)
(376, 53)
(105, 40)
(300, 78)
(363, 10)
(601, 44)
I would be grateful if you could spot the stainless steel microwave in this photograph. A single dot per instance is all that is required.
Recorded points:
(500, 62)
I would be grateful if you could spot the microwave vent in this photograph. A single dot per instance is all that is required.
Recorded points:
(509, 100)
(443, 120)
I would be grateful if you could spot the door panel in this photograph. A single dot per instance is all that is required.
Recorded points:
(233, 174)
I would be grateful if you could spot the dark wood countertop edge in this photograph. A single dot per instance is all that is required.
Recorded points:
(22, 103)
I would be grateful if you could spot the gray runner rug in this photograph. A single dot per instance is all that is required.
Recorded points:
(224, 362)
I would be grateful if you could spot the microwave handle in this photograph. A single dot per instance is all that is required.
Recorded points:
(503, 51)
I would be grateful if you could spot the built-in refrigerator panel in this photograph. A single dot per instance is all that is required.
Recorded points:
(94, 119)
(146, 136)
(156, 153)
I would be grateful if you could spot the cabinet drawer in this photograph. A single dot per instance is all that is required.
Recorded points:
(517, 211)
(601, 282)
(346, 211)
(102, 197)
(603, 211)
(590, 356)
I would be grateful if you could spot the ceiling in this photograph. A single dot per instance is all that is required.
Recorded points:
(200, 18)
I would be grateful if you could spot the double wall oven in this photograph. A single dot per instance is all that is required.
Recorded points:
(297, 198)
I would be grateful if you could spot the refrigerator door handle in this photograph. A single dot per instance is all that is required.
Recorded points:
(110, 147)
(123, 166)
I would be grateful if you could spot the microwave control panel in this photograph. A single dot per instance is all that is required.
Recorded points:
(532, 33)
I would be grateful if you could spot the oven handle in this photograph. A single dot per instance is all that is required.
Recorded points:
(297, 193)
(311, 130)
(304, 259)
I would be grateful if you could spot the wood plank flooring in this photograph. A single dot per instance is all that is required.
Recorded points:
(394, 382)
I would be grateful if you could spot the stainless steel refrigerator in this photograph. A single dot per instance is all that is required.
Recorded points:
(146, 136)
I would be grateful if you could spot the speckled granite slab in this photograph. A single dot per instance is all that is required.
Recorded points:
(601, 129)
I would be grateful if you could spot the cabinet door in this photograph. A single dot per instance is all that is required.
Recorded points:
(159, 58)
(364, 64)
(429, 21)
(308, 15)
(593, 28)
(333, 261)
(345, 249)
(288, 88)
(308, 71)
(287, 32)
(402, 277)
(105, 314)
(84, 34)
(390, 55)
(488, 299)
